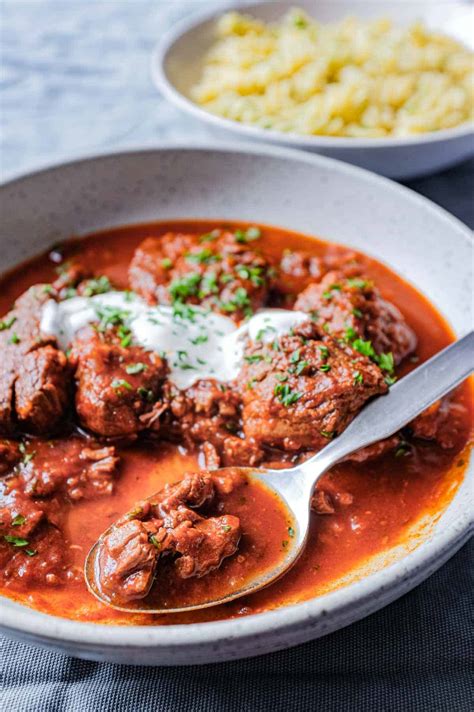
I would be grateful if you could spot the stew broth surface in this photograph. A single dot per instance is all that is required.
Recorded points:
(389, 494)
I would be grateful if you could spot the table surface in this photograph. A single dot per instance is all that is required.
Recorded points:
(75, 81)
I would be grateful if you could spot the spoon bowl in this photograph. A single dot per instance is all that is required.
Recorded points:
(298, 521)
(293, 487)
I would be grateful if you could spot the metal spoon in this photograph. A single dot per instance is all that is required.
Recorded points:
(383, 417)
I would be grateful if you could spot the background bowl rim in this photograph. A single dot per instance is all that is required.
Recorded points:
(163, 84)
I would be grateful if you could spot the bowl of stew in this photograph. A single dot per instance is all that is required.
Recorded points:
(166, 312)
(383, 85)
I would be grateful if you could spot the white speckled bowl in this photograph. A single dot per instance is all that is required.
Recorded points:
(177, 62)
(276, 186)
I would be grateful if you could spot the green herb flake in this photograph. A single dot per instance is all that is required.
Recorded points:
(248, 235)
(119, 383)
(327, 434)
(134, 368)
(14, 338)
(18, 521)
(291, 532)
(99, 285)
(16, 541)
(358, 377)
(166, 263)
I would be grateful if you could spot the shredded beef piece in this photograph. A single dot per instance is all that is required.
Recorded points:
(34, 374)
(42, 390)
(116, 385)
(353, 308)
(81, 471)
(208, 414)
(441, 422)
(171, 526)
(221, 273)
(372, 452)
(305, 391)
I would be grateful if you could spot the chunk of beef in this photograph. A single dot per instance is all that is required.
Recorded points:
(170, 526)
(301, 391)
(128, 560)
(208, 414)
(19, 514)
(222, 271)
(10, 455)
(81, 470)
(116, 385)
(351, 307)
(42, 390)
(442, 422)
(203, 544)
(34, 375)
(298, 268)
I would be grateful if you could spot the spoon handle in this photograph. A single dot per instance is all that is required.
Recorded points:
(405, 400)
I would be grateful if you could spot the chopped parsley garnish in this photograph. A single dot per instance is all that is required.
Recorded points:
(285, 395)
(184, 311)
(403, 449)
(244, 236)
(113, 316)
(209, 236)
(200, 339)
(134, 368)
(119, 383)
(253, 358)
(208, 285)
(14, 338)
(16, 540)
(154, 541)
(145, 393)
(18, 521)
(185, 287)
(254, 274)
(325, 368)
(357, 283)
(284, 543)
(327, 434)
(227, 528)
(301, 367)
(239, 300)
(328, 294)
(291, 532)
(357, 312)
(385, 362)
(166, 263)
(4, 325)
(204, 257)
(27, 456)
(358, 377)
(324, 351)
(100, 285)
(295, 356)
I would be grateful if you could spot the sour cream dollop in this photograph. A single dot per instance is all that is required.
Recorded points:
(198, 345)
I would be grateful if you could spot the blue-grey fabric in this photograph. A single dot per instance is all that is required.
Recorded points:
(75, 80)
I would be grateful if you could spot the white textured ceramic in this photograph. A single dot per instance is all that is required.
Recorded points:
(292, 189)
(177, 61)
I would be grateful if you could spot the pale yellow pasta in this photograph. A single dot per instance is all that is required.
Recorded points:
(351, 78)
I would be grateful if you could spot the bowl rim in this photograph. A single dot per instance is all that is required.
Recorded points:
(336, 608)
(163, 84)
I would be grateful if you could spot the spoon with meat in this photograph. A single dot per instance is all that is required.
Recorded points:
(184, 548)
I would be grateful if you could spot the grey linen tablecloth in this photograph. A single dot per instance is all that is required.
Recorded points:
(75, 80)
